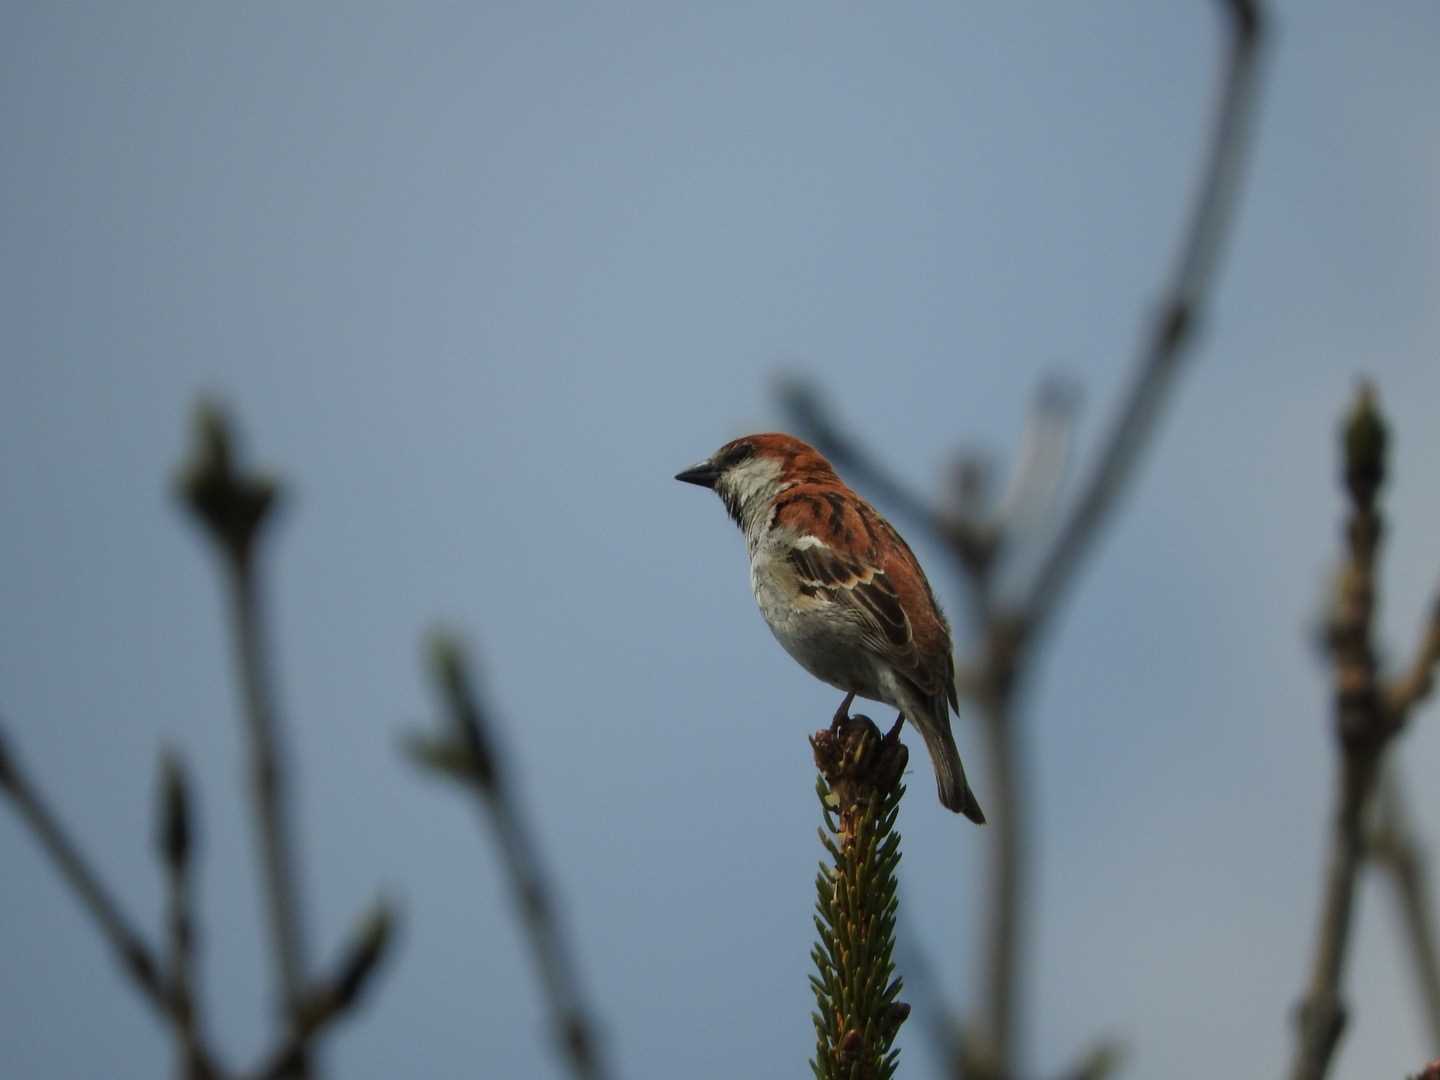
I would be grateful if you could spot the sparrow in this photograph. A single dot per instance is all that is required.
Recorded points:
(841, 591)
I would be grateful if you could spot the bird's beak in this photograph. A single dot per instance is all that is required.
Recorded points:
(704, 474)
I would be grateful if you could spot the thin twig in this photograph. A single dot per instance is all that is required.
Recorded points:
(1098, 1062)
(1009, 641)
(1363, 727)
(136, 957)
(1321, 1017)
(807, 407)
(1038, 475)
(959, 1058)
(269, 788)
(969, 535)
(234, 507)
(1415, 685)
(337, 996)
(1172, 331)
(470, 755)
(1395, 848)
(174, 841)
(1007, 633)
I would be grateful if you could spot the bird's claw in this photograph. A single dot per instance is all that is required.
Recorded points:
(893, 735)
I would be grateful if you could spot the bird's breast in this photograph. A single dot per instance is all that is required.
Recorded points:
(812, 628)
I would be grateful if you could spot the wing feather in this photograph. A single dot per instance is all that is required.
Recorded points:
(870, 598)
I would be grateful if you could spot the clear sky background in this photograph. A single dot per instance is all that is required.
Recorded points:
(477, 280)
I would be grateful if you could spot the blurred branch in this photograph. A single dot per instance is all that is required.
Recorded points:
(856, 990)
(174, 843)
(955, 1050)
(1394, 847)
(337, 995)
(981, 533)
(468, 754)
(1172, 331)
(1039, 472)
(233, 507)
(812, 416)
(1099, 1062)
(1007, 639)
(969, 532)
(1415, 685)
(136, 958)
(1365, 723)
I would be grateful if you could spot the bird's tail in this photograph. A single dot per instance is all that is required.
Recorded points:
(955, 794)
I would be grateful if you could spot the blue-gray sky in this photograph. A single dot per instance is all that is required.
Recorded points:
(478, 279)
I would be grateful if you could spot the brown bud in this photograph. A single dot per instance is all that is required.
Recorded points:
(452, 676)
(364, 953)
(232, 506)
(1365, 437)
(174, 834)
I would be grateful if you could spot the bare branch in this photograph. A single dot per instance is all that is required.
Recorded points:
(137, 959)
(1414, 686)
(233, 508)
(1171, 333)
(1363, 727)
(960, 1058)
(1039, 471)
(1395, 848)
(813, 418)
(1100, 1061)
(1006, 638)
(175, 845)
(1321, 1017)
(338, 995)
(471, 756)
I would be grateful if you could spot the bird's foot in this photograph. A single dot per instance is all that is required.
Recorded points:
(843, 712)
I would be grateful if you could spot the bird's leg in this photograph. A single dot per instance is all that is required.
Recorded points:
(893, 735)
(843, 712)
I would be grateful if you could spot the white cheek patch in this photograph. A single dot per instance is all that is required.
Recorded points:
(755, 477)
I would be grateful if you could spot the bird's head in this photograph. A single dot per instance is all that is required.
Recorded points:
(747, 473)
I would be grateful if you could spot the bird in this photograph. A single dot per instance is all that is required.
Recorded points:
(841, 590)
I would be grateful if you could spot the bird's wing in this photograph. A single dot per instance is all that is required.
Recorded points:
(869, 597)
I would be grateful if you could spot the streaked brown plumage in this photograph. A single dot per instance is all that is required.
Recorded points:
(841, 590)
